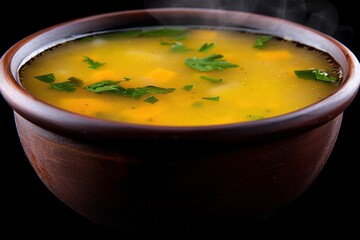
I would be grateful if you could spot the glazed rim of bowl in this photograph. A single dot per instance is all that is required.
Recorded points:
(67, 123)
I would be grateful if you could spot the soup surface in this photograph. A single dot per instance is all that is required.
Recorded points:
(180, 76)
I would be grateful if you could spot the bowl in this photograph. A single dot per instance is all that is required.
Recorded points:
(128, 176)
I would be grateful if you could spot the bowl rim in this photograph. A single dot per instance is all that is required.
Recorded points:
(68, 123)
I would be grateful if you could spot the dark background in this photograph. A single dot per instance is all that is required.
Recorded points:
(329, 206)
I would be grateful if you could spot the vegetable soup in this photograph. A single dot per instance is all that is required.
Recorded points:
(181, 76)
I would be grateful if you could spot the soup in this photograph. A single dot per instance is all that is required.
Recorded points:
(181, 76)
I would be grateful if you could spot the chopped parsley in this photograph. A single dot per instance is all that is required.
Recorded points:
(76, 80)
(315, 74)
(157, 90)
(157, 32)
(151, 100)
(181, 37)
(179, 47)
(67, 86)
(166, 43)
(47, 78)
(217, 98)
(210, 63)
(214, 80)
(188, 87)
(103, 86)
(113, 87)
(262, 40)
(92, 64)
(206, 47)
(176, 46)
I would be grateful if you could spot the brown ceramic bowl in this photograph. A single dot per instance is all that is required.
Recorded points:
(120, 174)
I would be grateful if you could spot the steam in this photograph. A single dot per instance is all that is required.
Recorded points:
(317, 14)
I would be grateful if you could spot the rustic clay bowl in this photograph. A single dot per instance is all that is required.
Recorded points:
(121, 174)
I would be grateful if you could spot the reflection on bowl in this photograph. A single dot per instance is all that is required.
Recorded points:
(122, 174)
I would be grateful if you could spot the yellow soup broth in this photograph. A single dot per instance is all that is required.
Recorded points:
(181, 77)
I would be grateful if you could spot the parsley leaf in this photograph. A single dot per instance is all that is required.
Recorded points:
(113, 87)
(176, 46)
(157, 32)
(103, 86)
(217, 98)
(181, 37)
(214, 80)
(47, 78)
(140, 91)
(166, 43)
(67, 86)
(75, 80)
(92, 64)
(151, 100)
(315, 74)
(179, 47)
(210, 63)
(158, 90)
(206, 47)
(131, 92)
(262, 40)
(188, 87)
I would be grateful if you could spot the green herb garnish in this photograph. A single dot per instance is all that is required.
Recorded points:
(315, 74)
(217, 98)
(158, 32)
(188, 87)
(179, 47)
(210, 63)
(92, 64)
(47, 78)
(181, 37)
(113, 87)
(151, 100)
(131, 92)
(166, 43)
(206, 47)
(214, 80)
(75, 80)
(67, 86)
(158, 90)
(176, 46)
(103, 86)
(140, 91)
(261, 41)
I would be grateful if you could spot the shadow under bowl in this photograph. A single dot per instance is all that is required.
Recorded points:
(123, 175)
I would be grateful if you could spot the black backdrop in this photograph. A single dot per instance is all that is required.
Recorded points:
(329, 206)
